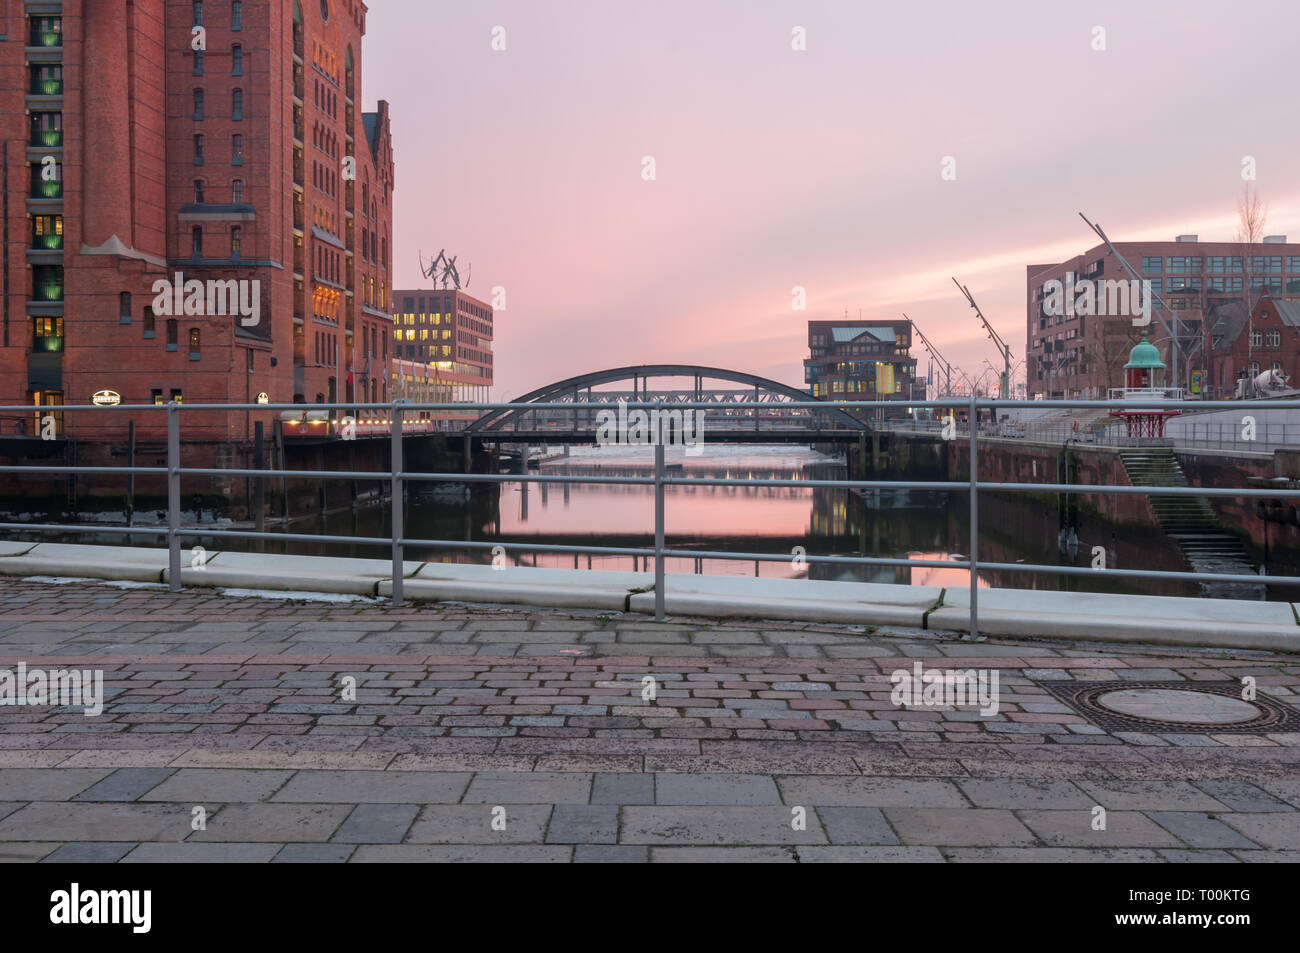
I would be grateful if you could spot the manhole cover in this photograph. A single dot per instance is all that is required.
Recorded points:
(1176, 705)
(1184, 707)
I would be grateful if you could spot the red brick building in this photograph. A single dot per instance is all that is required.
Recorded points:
(152, 138)
(1080, 355)
(1269, 340)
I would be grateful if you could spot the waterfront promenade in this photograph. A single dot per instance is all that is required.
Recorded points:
(496, 733)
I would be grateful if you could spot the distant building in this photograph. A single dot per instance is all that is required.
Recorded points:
(1082, 355)
(862, 360)
(442, 347)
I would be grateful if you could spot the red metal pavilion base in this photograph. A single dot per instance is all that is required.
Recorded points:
(1145, 423)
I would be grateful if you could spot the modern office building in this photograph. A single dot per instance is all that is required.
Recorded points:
(450, 334)
(862, 360)
(194, 207)
(1077, 354)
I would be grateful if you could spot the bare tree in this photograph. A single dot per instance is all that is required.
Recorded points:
(1251, 216)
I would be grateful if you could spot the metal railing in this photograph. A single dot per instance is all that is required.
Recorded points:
(1183, 432)
(397, 476)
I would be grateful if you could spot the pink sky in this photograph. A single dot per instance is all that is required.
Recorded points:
(821, 168)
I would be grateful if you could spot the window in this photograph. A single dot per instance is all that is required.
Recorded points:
(1266, 264)
(1224, 265)
(1267, 284)
(198, 12)
(1185, 265)
(156, 394)
(236, 15)
(171, 334)
(1273, 338)
(194, 344)
(235, 240)
(177, 397)
(198, 63)
(198, 149)
(124, 308)
(1293, 263)
(237, 191)
(236, 60)
(196, 241)
(236, 149)
(47, 335)
(198, 104)
(1257, 340)
(198, 191)
(148, 324)
(236, 104)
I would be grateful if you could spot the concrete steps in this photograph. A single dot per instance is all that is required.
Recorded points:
(1191, 522)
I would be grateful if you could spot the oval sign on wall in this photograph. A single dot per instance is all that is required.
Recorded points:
(264, 398)
(106, 398)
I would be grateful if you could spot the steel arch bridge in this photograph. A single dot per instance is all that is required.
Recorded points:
(722, 420)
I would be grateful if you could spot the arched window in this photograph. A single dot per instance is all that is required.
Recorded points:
(237, 190)
(236, 238)
(236, 104)
(124, 307)
(236, 60)
(198, 105)
(148, 323)
(198, 191)
(195, 349)
(196, 241)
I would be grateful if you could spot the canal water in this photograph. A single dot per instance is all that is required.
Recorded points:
(905, 525)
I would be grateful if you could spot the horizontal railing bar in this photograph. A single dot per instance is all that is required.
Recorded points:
(250, 534)
(14, 469)
(72, 528)
(529, 547)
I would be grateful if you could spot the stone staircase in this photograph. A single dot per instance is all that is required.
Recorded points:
(1191, 522)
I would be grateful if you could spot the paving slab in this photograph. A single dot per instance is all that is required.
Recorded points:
(687, 826)
(374, 787)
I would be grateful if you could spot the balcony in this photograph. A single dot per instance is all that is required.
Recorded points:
(47, 284)
(44, 190)
(47, 131)
(47, 233)
(43, 83)
(47, 32)
(47, 344)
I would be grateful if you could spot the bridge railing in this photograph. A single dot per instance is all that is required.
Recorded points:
(397, 476)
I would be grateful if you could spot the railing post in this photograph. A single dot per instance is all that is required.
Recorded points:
(659, 530)
(173, 498)
(974, 519)
(397, 494)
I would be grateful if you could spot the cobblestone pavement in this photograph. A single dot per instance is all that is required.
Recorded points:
(481, 733)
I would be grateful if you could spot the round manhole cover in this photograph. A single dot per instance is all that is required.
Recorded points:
(1180, 707)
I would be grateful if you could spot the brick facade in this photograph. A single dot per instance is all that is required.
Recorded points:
(275, 98)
